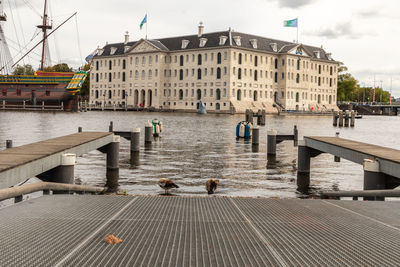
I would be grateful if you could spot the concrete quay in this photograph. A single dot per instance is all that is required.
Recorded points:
(69, 230)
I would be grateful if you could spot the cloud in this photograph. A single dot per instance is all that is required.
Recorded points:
(343, 29)
(295, 3)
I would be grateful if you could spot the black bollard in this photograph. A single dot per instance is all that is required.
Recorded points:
(112, 175)
(111, 127)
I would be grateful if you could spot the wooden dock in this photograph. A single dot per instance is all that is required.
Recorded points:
(69, 230)
(24, 162)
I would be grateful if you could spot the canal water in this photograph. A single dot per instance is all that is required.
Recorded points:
(194, 148)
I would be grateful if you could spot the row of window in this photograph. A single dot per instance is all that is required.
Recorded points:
(168, 93)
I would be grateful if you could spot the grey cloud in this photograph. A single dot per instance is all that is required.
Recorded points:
(295, 3)
(343, 29)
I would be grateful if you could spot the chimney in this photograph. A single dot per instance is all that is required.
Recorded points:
(201, 29)
(126, 37)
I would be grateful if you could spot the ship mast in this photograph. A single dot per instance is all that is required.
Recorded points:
(44, 28)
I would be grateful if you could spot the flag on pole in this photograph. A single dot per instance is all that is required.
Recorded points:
(290, 23)
(143, 21)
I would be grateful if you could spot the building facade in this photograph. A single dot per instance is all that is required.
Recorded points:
(228, 71)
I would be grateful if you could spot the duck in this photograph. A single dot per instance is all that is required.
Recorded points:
(211, 186)
(167, 184)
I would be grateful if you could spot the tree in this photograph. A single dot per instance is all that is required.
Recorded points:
(62, 67)
(347, 87)
(24, 70)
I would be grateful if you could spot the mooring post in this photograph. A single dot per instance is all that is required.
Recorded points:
(353, 118)
(340, 118)
(148, 133)
(255, 140)
(249, 116)
(79, 129)
(303, 167)
(18, 198)
(23, 104)
(295, 136)
(259, 117)
(373, 178)
(346, 118)
(9, 144)
(135, 146)
(271, 142)
(111, 127)
(112, 150)
(335, 118)
(337, 159)
(65, 172)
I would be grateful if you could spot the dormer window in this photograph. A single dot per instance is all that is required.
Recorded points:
(274, 47)
(100, 52)
(185, 44)
(329, 56)
(113, 50)
(222, 40)
(126, 48)
(317, 54)
(237, 40)
(253, 43)
(203, 42)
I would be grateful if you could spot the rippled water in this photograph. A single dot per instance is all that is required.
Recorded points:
(194, 148)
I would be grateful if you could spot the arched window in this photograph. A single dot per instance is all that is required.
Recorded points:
(181, 75)
(150, 73)
(276, 63)
(143, 60)
(110, 64)
(276, 77)
(218, 73)
(239, 95)
(319, 69)
(181, 61)
(109, 77)
(123, 64)
(297, 97)
(180, 94)
(297, 78)
(123, 77)
(217, 106)
(136, 75)
(198, 94)
(97, 93)
(199, 59)
(109, 94)
(255, 75)
(218, 94)
(143, 74)
(97, 65)
(240, 58)
(255, 61)
(239, 73)
(97, 77)
(150, 61)
(255, 96)
(219, 58)
(330, 71)
(319, 99)
(298, 64)
(198, 74)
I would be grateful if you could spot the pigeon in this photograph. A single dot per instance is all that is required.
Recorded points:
(211, 186)
(167, 184)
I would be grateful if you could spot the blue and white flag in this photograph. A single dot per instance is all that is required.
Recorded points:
(143, 21)
(290, 23)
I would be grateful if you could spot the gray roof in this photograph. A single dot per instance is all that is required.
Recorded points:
(175, 44)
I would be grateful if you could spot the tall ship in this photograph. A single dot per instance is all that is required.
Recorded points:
(42, 88)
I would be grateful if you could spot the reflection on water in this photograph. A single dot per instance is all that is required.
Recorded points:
(194, 148)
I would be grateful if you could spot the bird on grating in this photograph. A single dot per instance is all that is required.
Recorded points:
(211, 186)
(167, 184)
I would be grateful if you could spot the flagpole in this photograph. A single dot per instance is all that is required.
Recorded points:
(146, 24)
(297, 30)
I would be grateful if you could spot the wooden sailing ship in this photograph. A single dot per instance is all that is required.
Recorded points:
(51, 88)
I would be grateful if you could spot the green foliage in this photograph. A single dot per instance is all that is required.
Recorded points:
(24, 70)
(62, 67)
(349, 90)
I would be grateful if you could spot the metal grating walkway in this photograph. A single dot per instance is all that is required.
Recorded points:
(68, 230)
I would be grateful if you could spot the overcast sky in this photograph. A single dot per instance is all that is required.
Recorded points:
(364, 35)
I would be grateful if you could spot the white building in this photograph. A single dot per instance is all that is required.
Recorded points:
(228, 71)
